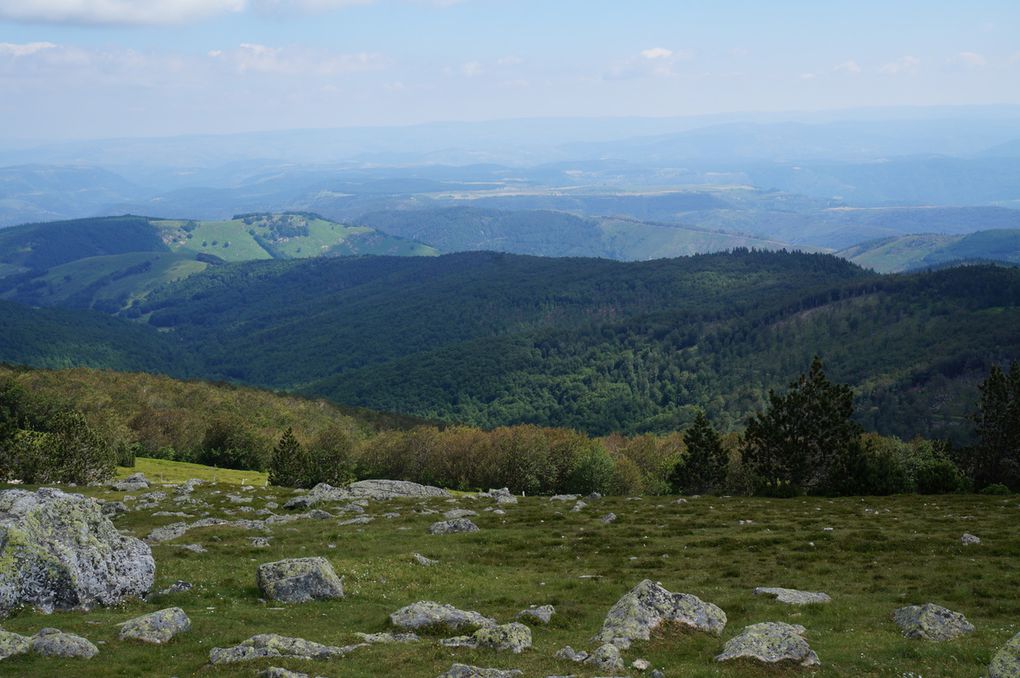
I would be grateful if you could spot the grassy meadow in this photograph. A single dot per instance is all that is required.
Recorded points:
(881, 553)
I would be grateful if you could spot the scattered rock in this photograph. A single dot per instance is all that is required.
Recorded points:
(425, 614)
(156, 627)
(194, 548)
(931, 622)
(1006, 662)
(366, 489)
(59, 552)
(969, 539)
(357, 520)
(606, 658)
(423, 561)
(12, 644)
(298, 580)
(793, 596)
(502, 496)
(56, 643)
(454, 514)
(647, 605)
(770, 643)
(259, 542)
(277, 672)
(465, 671)
(453, 526)
(179, 586)
(270, 645)
(167, 532)
(571, 655)
(515, 637)
(133, 483)
(641, 665)
(608, 518)
(114, 508)
(579, 506)
(564, 497)
(377, 638)
(539, 613)
(319, 514)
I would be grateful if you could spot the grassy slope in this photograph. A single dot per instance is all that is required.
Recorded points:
(883, 553)
(908, 252)
(163, 471)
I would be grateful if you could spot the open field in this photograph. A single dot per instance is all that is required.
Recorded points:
(882, 553)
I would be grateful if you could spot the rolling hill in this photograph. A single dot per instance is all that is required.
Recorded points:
(904, 253)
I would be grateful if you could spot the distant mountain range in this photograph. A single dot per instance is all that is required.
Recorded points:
(909, 252)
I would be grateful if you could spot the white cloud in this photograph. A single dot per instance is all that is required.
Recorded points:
(471, 69)
(971, 59)
(850, 67)
(115, 11)
(657, 53)
(904, 65)
(24, 49)
(510, 61)
(256, 58)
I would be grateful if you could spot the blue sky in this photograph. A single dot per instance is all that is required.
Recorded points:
(94, 68)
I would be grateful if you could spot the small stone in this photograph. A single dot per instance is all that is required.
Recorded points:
(578, 507)
(357, 520)
(540, 613)
(563, 497)
(56, 643)
(381, 638)
(179, 586)
(460, 525)
(298, 580)
(606, 658)
(277, 672)
(423, 561)
(193, 548)
(931, 622)
(770, 643)
(133, 483)
(793, 596)
(156, 627)
(259, 542)
(454, 514)
(465, 671)
(608, 518)
(571, 655)
(641, 665)
(969, 539)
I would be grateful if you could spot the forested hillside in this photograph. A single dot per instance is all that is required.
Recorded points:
(909, 252)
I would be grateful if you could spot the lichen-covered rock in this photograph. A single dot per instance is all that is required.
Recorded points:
(770, 643)
(12, 644)
(133, 483)
(539, 613)
(167, 532)
(571, 655)
(579, 506)
(56, 643)
(564, 497)
(454, 514)
(425, 614)
(453, 526)
(59, 552)
(969, 539)
(1006, 662)
(793, 596)
(156, 627)
(298, 580)
(608, 518)
(365, 489)
(114, 508)
(424, 561)
(515, 637)
(647, 605)
(271, 645)
(465, 671)
(606, 658)
(386, 638)
(502, 496)
(277, 672)
(931, 622)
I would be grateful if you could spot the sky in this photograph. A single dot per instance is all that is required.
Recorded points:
(111, 68)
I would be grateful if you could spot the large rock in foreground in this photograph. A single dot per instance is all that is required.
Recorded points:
(425, 614)
(299, 580)
(1006, 662)
(271, 645)
(156, 627)
(770, 643)
(931, 622)
(59, 552)
(56, 643)
(648, 605)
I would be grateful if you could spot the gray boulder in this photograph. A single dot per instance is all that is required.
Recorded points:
(167, 532)
(59, 552)
(271, 645)
(56, 643)
(514, 637)
(564, 497)
(571, 655)
(425, 614)
(457, 526)
(606, 658)
(454, 514)
(12, 644)
(502, 496)
(133, 483)
(770, 643)
(156, 627)
(365, 489)
(465, 671)
(277, 672)
(931, 622)
(298, 580)
(969, 539)
(647, 605)
(608, 518)
(539, 613)
(793, 596)
(387, 638)
(424, 561)
(1006, 662)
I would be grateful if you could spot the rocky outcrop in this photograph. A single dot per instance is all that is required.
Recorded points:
(502, 496)
(298, 580)
(58, 552)
(271, 645)
(647, 605)
(465, 671)
(1006, 662)
(366, 489)
(770, 643)
(387, 638)
(793, 596)
(460, 525)
(133, 483)
(931, 622)
(539, 613)
(56, 643)
(12, 644)
(427, 614)
(156, 627)
(513, 637)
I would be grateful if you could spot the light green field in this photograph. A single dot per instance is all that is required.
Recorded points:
(640, 241)
(882, 553)
(163, 471)
(227, 240)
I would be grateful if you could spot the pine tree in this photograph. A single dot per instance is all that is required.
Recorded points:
(800, 443)
(997, 456)
(289, 466)
(703, 469)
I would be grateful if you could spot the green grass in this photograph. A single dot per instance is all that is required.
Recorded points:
(163, 471)
(882, 553)
(227, 240)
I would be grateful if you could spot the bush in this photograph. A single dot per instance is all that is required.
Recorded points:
(626, 478)
(231, 443)
(940, 476)
(330, 457)
(594, 471)
(996, 489)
